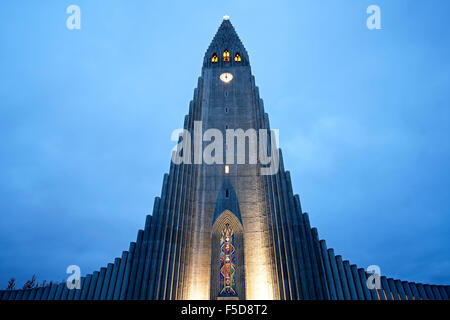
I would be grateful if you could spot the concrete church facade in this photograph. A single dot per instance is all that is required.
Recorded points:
(226, 231)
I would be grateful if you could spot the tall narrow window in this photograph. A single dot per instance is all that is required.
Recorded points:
(227, 263)
(226, 56)
(237, 57)
(214, 58)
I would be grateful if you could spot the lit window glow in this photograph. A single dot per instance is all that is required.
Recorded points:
(226, 56)
(227, 169)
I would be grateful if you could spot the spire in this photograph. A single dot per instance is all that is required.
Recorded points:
(226, 38)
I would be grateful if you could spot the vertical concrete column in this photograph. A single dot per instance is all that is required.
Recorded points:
(160, 225)
(150, 248)
(350, 281)
(142, 259)
(39, 293)
(120, 276)
(320, 265)
(444, 294)
(407, 289)
(415, 291)
(31, 296)
(126, 275)
(369, 294)
(422, 292)
(93, 285)
(336, 278)
(106, 281)
(85, 287)
(12, 295)
(112, 283)
(315, 267)
(52, 292)
(19, 295)
(393, 289)
(46, 292)
(429, 292)
(359, 289)
(71, 295)
(25, 296)
(342, 277)
(436, 292)
(328, 272)
(99, 285)
(386, 289)
(400, 290)
(78, 291)
(134, 265)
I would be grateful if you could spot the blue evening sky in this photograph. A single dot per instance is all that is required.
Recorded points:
(86, 117)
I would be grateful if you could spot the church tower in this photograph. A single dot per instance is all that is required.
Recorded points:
(227, 224)
(228, 196)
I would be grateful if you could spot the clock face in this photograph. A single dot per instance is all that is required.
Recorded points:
(226, 77)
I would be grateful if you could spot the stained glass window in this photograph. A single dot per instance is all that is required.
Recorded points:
(226, 56)
(214, 58)
(227, 263)
(237, 57)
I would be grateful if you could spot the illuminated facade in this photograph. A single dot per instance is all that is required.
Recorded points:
(225, 231)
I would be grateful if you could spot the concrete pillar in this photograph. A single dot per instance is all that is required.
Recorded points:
(444, 294)
(400, 290)
(85, 287)
(369, 294)
(350, 281)
(106, 282)
(93, 285)
(77, 295)
(39, 292)
(143, 256)
(71, 295)
(134, 265)
(99, 285)
(120, 275)
(32, 294)
(359, 289)
(429, 292)
(393, 289)
(436, 292)
(414, 290)
(386, 289)
(6, 294)
(158, 235)
(126, 275)
(51, 295)
(336, 277)
(447, 289)
(12, 295)
(342, 277)
(407, 289)
(328, 272)
(113, 281)
(422, 292)
(45, 293)
(315, 267)
(25, 296)
(321, 267)
(19, 295)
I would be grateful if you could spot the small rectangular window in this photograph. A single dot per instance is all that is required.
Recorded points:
(227, 169)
